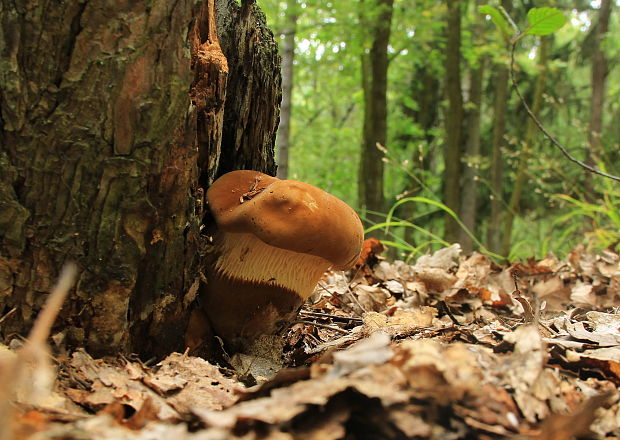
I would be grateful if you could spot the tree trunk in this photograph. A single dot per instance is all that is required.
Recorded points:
(424, 89)
(600, 71)
(500, 110)
(288, 56)
(526, 150)
(254, 90)
(104, 156)
(454, 120)
(469, 195)
(374, 80)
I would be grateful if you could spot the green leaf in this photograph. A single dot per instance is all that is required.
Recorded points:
(544, 21)
(497, 18)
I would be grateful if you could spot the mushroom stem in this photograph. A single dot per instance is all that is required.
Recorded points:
(254, 288)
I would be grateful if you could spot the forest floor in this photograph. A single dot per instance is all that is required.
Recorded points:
(451, 347)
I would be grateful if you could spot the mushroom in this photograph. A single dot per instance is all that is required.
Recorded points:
(272, 242)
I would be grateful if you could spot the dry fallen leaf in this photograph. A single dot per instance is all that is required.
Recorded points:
(439, 349)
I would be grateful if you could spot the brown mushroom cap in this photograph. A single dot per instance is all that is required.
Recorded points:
(287, 214)
(274, 240)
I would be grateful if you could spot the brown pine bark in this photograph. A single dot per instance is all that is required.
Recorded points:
(374, 82)
(454, 120)
(104, 156)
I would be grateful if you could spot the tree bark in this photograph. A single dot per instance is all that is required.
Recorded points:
(104, 156)
(254, 91)
(288, 56)
(454, 120)
(599, 74)
(374, 81)
(469, 195)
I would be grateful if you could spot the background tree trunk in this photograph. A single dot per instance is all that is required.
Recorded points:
(526, 150)
(288, 56)
(454, 120)
(469, 195)
(500, 111)
(600, 71)
(104, 156)
(424, 91)
(374, 80)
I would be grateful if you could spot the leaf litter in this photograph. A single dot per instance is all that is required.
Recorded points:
(451, 347)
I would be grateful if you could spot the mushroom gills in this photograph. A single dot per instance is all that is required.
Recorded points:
(254, 288)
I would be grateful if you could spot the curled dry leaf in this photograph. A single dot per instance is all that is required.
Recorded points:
(445, 258)
(371, 298)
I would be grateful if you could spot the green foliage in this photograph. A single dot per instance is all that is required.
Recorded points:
(391, 222)
(498, 19)
(327, 113)
(541, 21)
(544, 21)
(604, 215)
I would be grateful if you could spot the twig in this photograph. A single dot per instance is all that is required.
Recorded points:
(44, 322)
(349, 292)
(549, 136)
(13, 374)
(8, 314)
(531, 314)
(528, 311)
(329, 315)
(317, 324)
(446, 309)
(354, 297)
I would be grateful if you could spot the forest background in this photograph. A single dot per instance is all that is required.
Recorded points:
(405, 109)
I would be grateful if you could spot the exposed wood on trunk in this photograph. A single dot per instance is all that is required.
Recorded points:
(99, 155)
(454, 120)
(208, 91)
